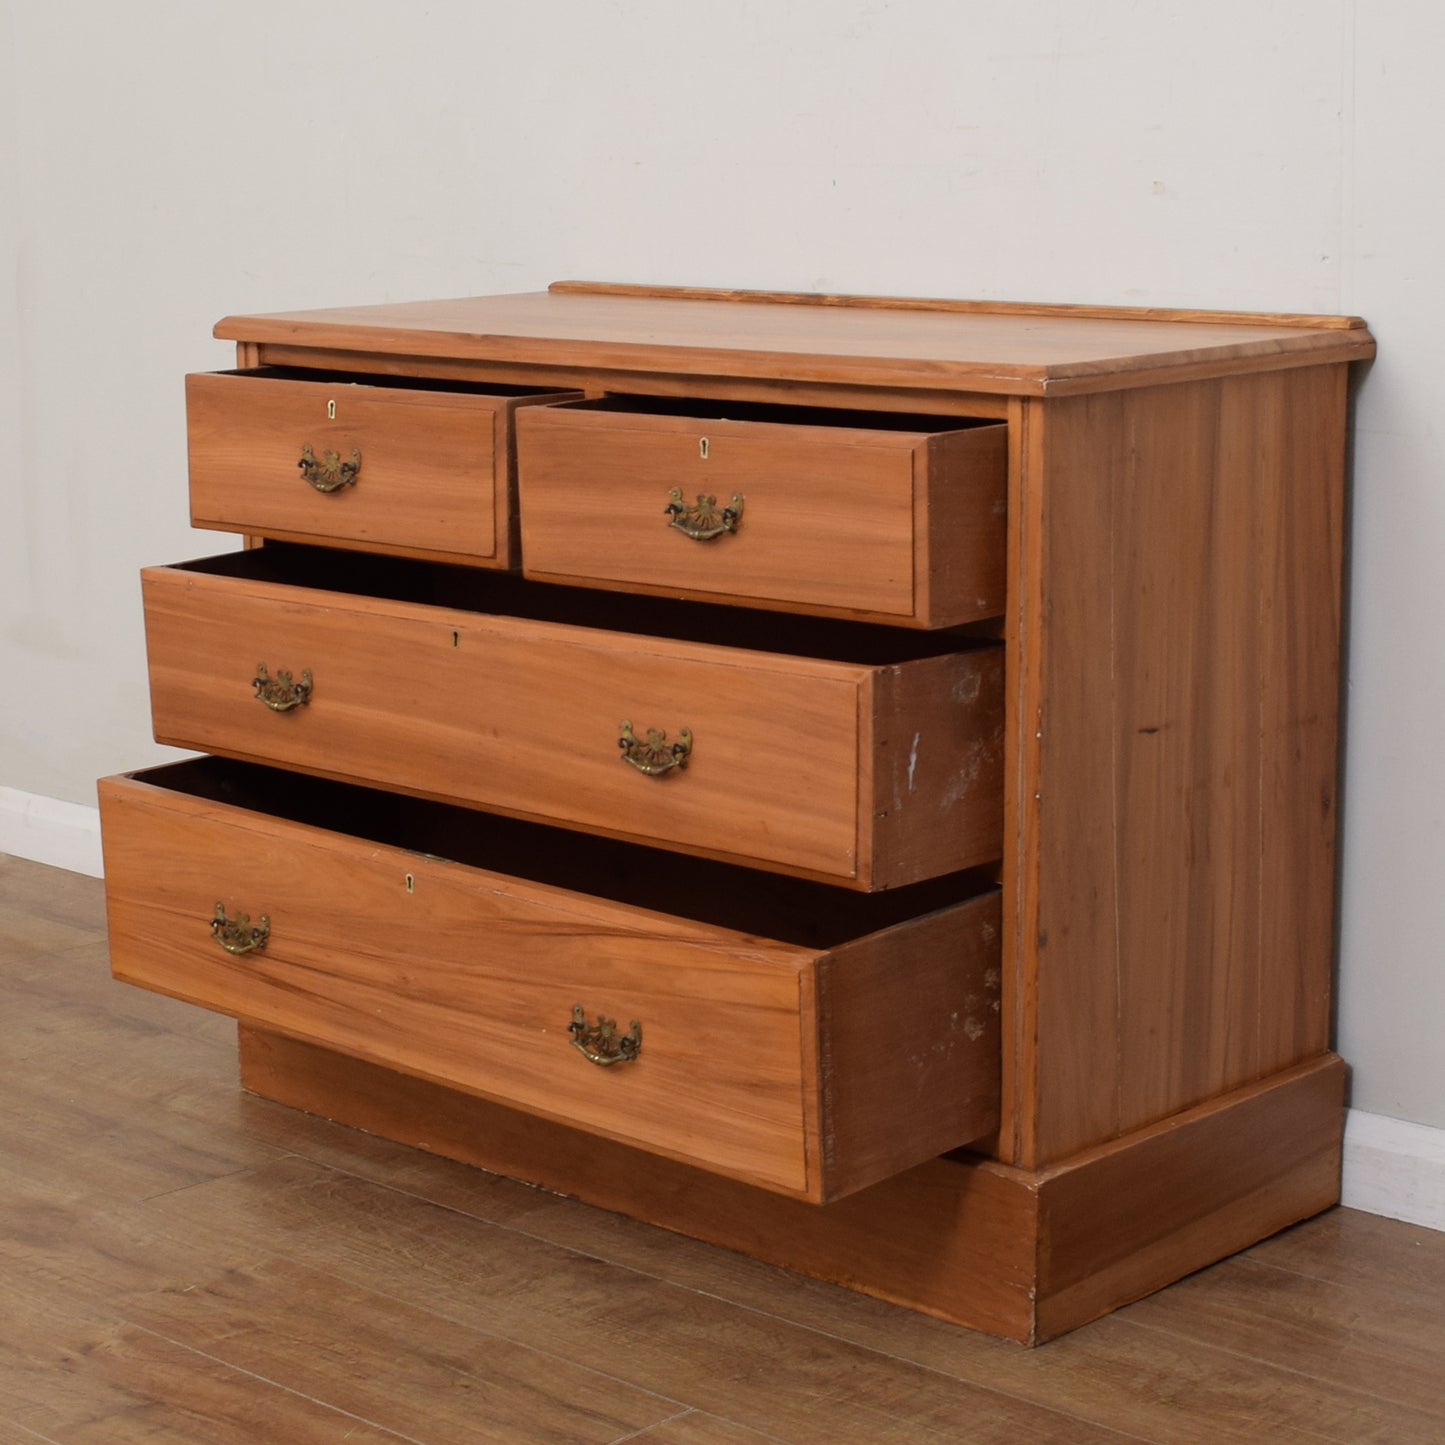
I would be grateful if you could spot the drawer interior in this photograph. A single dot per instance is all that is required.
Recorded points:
(774, 413)
(380, 382)
(795, 911)
(443, 585)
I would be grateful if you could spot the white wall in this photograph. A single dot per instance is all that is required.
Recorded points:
(164, 162)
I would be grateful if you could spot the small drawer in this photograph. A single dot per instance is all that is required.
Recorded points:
(812, 1065)
(390, 465)
(864, 756)
(893, 518)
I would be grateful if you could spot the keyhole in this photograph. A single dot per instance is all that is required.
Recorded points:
(330, 411)
(702, 447)
(410, 883)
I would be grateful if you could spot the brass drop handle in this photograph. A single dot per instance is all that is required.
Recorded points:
(704, 520)
(653, 754)
(600, 1043)
(236, 935)
(281, 693)
(330, 474)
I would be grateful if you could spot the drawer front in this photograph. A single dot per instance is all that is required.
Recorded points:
(800, 1070)
(825, 769)
(899, 526)
(418, 471)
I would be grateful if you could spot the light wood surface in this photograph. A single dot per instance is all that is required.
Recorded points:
(900, 525)
(427, 478)
(958, 305)
(794, 1069)
(180, 1262)
(484, 369)
(1025, 1254)
(1146, 764)
(435, 475)
(989, 350)
(1178, 584)
(524, 716)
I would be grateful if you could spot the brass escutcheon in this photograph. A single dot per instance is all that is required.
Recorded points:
(236, 935)
(600, 1043)
(331, 473)
(705, 520)
(653, 754)
(280, 693)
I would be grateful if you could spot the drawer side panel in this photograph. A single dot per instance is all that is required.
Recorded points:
(909, 1031)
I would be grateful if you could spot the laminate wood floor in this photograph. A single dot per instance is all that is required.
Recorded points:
(181, 1262)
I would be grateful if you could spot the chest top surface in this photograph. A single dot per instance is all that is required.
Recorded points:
(1024, 350)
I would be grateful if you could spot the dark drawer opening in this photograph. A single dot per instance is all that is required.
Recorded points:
(706, 409)
(382, 382)
(442, 584)
(810, 915)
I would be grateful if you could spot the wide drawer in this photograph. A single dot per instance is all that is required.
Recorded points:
(810, 1067)
(898, 519)
(395, 466)
(854, 754)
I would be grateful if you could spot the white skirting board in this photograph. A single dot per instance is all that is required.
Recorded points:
(1394, 1168)
(45, 830)
(1391, 1167)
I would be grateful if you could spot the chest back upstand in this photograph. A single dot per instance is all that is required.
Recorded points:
(852, 780)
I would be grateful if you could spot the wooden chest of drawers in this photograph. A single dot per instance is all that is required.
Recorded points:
(851, 780)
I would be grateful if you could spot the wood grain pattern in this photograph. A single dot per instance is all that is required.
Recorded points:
(1302, 541)
(961, 505)
(1025, 1254)
(641, 382)
(434, 473)
(1168, 590)
(985, 351)
(1197, 1187)
(907, 1029)
(1380, 1345)
(813, 1074)
(893, 525)
(694, 1428)
(1177, 797)
(273, 1318)
(958, 305)
(944, 1238)
(272, 1267)
(122, 1324)
(523, 716)
(1149, 1383)
(759, 1372)
(935, 738)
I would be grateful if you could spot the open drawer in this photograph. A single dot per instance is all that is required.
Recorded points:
(390, 464)
(804, 1040)
(890, 517)
(868, 757)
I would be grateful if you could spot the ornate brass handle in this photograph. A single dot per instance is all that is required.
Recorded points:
(706, 519)
(600, 1043)
(236, 935)
(654, 754)
(330, 474)
(280, 693)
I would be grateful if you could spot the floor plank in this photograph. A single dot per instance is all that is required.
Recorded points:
(1113, 1372)
(695, 1428)
(753, 1368)
(1377, 1341)
(180, 1262)
(82, 1381)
